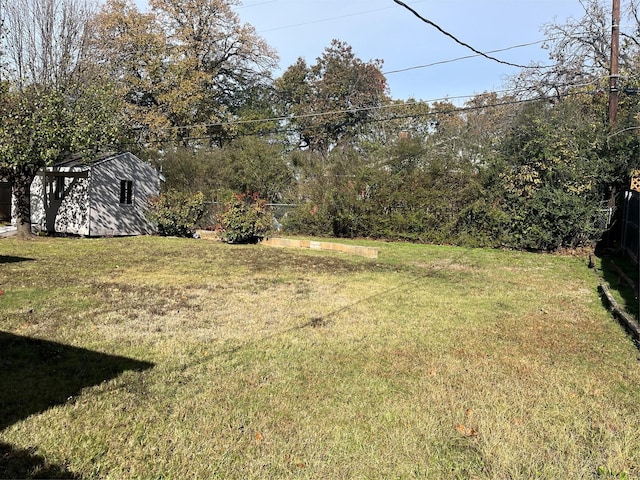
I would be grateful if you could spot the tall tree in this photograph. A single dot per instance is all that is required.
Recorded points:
(131, 46)
(329, 102)
(183, 65)
(46, 40)
(467, 137)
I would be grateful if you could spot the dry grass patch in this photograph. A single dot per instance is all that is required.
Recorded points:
(428, 362)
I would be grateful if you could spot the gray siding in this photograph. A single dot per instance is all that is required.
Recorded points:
(85, 199)
(108, 216)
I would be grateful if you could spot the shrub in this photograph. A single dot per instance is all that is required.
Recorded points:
(244, 219)
(482, 224)
(177, 214)
(554, 219)
(307, 219)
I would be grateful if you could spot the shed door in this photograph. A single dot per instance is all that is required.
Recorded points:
(5, 201)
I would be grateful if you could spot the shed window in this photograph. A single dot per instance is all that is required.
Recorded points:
(126, 192)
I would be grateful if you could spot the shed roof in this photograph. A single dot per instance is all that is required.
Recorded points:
(81, 163)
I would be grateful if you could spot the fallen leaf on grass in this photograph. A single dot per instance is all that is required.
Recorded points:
(466, 431)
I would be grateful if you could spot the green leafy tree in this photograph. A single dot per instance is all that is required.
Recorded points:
(189, 170)
(246, 164)
(330, 101)
(258, 166)
(550, 174)
(41, 128)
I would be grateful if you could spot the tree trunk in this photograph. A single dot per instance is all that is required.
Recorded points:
(20, 181)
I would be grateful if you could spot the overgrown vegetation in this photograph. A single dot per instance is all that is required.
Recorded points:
(244, 219)
(176, 213)
(242, 361)
(529, 168)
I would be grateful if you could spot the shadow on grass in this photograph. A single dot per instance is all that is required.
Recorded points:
(38, 374)
(621, 274)
(17, 463)
(11, 259)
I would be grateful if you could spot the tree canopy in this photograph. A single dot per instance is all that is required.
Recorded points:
(182, 66)
(329, 101)
(190, 86)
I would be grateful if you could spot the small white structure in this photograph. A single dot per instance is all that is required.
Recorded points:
(108, 196)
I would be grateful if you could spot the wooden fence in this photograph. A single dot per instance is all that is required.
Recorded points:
(631, 226)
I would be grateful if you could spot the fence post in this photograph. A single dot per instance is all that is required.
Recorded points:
(625, 221)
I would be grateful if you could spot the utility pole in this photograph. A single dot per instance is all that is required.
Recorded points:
(614, 73)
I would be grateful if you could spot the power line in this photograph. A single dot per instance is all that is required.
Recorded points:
(455, 39)
(291, 129)
(466, 57)
(255, 4)
(387, 8)
(372, 108)
(448, 111)
(328, 19)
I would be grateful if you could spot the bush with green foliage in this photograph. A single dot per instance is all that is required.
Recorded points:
(244, 219)
(480, 224)
(246, 164)
(552, 219)
(546, 180)
(533, 179)
(307, 219)
(176, 213)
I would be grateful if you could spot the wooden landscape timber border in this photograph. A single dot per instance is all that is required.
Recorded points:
(368, 252)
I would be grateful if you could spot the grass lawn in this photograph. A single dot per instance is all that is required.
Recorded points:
(176, 358)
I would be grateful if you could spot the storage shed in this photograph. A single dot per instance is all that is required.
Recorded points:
(107, 196)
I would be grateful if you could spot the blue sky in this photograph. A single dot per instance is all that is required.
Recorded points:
(381, 29)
